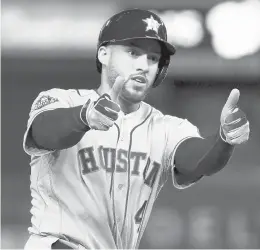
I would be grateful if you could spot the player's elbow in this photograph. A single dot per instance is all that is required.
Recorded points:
(39, 138)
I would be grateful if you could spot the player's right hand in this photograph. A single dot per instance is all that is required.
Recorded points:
(101, 114)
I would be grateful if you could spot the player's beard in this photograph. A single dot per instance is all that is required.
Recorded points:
(112, 74)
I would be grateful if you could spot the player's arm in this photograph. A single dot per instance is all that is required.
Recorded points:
(58, 129)
(51, 114)
(62, 128)
(196, 157)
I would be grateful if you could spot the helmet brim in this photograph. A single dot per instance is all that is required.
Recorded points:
(167, 48)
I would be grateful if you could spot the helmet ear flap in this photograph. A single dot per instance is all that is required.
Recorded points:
(163, 68)
(98, 64)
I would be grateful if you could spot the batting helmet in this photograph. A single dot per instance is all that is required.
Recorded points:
(137, 24)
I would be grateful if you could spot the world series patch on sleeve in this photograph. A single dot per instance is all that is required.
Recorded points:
(44, 101)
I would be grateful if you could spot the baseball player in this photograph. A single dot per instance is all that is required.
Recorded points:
(99, 157)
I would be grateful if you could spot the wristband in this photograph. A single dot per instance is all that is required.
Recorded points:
(83, 113)
(222, 135)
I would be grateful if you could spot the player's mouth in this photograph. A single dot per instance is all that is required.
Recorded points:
(139, 79)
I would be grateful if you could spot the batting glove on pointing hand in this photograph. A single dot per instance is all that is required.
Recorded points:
(234, 124)
(101, 114)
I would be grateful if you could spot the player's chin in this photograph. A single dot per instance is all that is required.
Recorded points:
(138, 89)
(136, 92)
(136, 96)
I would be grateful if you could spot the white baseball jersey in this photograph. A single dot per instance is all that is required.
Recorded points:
(100, 192)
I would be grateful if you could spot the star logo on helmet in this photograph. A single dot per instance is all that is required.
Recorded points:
(152, 24)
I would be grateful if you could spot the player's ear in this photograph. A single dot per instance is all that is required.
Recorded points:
(103, 55)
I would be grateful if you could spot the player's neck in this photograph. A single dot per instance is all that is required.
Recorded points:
(128, 107)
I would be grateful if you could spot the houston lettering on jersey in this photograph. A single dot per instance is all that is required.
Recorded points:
(117, 160)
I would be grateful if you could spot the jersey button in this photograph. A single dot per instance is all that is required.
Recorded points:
(120, 186)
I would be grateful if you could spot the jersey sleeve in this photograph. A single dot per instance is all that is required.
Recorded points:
(178, 130)
(46, 100)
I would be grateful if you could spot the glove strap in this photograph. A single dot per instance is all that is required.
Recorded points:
(83, 113)
(222, 135)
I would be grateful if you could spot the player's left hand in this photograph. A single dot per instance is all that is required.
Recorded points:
(234, 124)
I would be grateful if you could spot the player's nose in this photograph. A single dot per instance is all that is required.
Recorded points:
(142, 63)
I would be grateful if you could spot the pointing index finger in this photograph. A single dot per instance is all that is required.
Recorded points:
(116, 89)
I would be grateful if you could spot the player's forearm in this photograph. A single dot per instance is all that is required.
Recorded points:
(215, 158)
(197, 157)
(58, 129)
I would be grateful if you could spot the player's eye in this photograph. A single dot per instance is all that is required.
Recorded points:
(154, 58)
(132, 52)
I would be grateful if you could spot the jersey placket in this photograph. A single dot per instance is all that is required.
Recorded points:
(120, 180)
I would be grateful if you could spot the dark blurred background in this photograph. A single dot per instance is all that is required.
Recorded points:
(47, 44)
